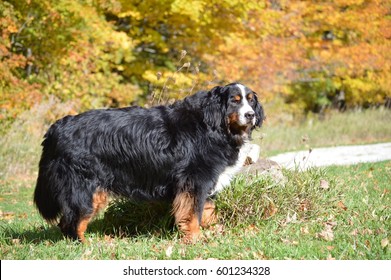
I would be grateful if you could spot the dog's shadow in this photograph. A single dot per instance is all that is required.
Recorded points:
(125, 218)
(121, 219)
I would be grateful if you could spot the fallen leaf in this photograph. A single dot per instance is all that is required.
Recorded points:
(269, 211)
(331, 223)
(330, 248)
(324, 184)
(304, 230)
(88, 252)
(108, 238)
(367, 231)
(16, 241)
(341, 205)
(330, 257)
(290, 219)
(251, 229)
(169, 251)
(384, 242)
(259, 255)
(22, 216)
(287, 241)
(354, 232)
(305, 205)
(7, 215)
(327, 234)
(385, 192)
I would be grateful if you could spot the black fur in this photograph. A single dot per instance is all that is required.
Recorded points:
(149, 154)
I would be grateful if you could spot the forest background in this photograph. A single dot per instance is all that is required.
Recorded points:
(299, 56)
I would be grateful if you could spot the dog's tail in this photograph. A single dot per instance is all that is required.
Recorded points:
(45, 200)
(45, 197)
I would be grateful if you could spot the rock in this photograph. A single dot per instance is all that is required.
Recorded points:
(265, 167)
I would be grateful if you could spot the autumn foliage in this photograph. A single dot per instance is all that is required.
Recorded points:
(108, 53)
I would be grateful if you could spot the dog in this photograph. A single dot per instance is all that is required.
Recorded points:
(183, 153)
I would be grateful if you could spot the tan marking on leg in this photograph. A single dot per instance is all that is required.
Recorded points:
(185, 217)
(82, 227)
(99, 201)
(209, 214)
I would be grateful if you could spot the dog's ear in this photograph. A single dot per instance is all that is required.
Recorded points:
(214, 107)
(259, 112)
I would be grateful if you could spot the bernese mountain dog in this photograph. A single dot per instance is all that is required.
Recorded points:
(183, 153)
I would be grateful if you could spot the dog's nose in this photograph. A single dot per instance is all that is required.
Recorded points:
(249, 115)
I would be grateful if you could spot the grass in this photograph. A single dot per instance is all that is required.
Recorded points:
(349, 128)
(330, 213)
(345, 217)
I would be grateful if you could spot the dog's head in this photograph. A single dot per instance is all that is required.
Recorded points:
(235, 107)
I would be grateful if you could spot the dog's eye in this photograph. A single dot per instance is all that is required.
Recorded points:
(250, 98)
(236, 99)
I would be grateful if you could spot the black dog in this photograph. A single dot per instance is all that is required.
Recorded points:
(182, 153)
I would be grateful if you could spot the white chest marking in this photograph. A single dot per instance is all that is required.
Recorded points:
(246, 151)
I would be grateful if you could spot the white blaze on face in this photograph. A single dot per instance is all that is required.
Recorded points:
(245, 108)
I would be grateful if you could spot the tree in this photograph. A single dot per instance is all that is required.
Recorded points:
(308, 51)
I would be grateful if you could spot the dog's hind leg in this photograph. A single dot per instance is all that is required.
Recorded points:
(99, 201)
(186, 217)
(74, 221)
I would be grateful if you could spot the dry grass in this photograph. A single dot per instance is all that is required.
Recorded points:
(350, 128)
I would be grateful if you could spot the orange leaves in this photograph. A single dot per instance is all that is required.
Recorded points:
(270, 210)
(288, 44)
(341, 205)
(108, 54)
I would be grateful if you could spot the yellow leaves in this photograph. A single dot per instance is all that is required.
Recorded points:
(123, 40)
(193, 10)
(168, 78)
(131, 13)
(345, 3)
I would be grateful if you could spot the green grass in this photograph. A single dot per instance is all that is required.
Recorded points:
(257, 220)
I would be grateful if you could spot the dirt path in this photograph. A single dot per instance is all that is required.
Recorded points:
(341, 155)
